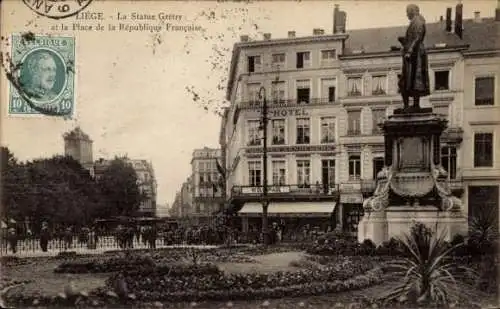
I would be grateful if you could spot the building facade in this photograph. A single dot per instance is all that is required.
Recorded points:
(78, 145)
(146, 181)
(326, 95)
(206, 182)
(183, 202)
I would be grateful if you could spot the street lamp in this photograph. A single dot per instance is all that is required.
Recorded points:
(265, 201)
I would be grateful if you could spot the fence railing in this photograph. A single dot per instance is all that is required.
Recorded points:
(33, 246)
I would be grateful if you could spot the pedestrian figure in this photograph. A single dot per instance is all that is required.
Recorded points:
(12, 236)
(44, 237)
(92, 240)
(68, 239)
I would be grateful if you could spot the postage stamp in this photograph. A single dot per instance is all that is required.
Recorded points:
(45, 79)
(57, 9)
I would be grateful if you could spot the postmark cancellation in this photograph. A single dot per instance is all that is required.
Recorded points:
(44, 82)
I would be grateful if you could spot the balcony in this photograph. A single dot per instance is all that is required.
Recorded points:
(316, 191)
(287, 102)
(368, 187)
(453, 135)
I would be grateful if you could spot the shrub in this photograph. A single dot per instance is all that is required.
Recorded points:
(428, 275)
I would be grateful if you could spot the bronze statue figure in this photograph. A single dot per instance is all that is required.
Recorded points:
(414, 81)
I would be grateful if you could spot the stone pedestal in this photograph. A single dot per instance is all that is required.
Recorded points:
(413, 186)
(373, 227)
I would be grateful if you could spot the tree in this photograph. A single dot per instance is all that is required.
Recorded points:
(120, 189)
(7, 158)
(56, 189)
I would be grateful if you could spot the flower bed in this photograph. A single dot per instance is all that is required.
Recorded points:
(133, 261)
(99, 265)
(172, 280)
(259, 289)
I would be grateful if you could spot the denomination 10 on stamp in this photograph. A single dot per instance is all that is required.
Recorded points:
(44, 79)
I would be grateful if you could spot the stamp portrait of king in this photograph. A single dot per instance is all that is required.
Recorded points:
(43, 75)
(45, 78)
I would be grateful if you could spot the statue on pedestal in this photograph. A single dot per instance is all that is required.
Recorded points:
(414, 81)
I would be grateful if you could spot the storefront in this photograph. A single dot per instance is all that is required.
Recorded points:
(292, 217)
(351, 211)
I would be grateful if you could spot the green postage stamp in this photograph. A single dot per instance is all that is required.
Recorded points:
(44, 81)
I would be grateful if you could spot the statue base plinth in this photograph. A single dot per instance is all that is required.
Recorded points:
(395, 221)
(413, 110)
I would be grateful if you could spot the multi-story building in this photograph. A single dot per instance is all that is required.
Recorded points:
(206, 181)
(146, 181)
(326, 95)
(182, 206)
(78, 145)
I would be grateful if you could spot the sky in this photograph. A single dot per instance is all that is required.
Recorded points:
(135, 90)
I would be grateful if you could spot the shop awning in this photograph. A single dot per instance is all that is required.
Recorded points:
(289, 209)
(351, 198)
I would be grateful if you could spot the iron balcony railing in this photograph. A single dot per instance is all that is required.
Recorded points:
(289, 102)
(295, 189)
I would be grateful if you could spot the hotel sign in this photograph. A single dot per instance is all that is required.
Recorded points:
(298, 112)
(294, 148)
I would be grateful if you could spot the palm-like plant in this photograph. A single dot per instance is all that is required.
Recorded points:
(430, 276)
(483, 229)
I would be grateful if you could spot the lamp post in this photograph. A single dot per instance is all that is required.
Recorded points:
(265, 201)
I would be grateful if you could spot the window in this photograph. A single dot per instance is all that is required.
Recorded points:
(303, 91)
(253, 133)
(328, 55)
(354, 167)
(279, 58)
(279, 173)
(441, 80)
(327, 129)
(449, 161)
(303, 131)
(378, 115)
(254, 173)
(483, 150)
(253, 93)
(354, 86)
(327, 173)
(328, 89)
(303, 58)
(354, 122)
(278, 90)
(278, 126)
(253, 64)
(485, 91)
(379, 84)
(303, 173)
(378, 165)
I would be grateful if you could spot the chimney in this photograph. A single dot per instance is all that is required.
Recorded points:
(318, 31)
(291, 34)
(477, 17)
(267, 36)
(497, 11)
(244, 38)
(459, 20)
(341, 21)
(335, 18)
(448, 20)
